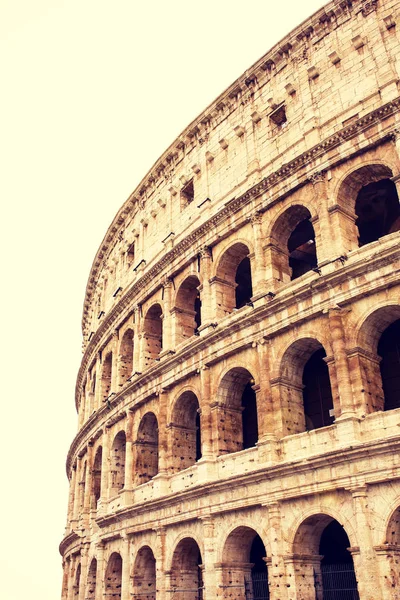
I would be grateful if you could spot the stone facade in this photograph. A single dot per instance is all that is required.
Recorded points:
(239, 393)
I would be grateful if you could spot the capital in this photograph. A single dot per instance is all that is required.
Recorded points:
(256, 218)
(205, 252)
(317, 177)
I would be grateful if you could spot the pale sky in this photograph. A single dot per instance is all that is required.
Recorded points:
(92, 92)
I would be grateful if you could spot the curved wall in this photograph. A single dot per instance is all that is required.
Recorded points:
(238, 396)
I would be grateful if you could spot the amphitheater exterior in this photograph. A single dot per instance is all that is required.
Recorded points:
(239, 392)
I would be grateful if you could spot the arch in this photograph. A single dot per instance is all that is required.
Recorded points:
(305, 388)
(144, 575)
(326, 565)
(186, 579)
(146, 464)
(106, 376)
(187, 309)
(377, 353)
(153, 335)
(118, 451)
(233, 279)
(96, 477)
(113, 576)
(237, 411)
(371, 202)
(126, 348)
(244, 564)
(91, 580)
(389, 352)
(77, 581)
(292, 244)
(185, 434)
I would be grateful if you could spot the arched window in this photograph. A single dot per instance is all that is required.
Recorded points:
(317, 393)
(378, 211)
(126, 357)
(113, 577)
(118, 462)
(186, 571)
(187, 310)
(152, 334)
(325, 564)
(389, 351)
(106, 376)
(292, 244)
(234, 283)
(304, 388)
(96, 478)
(91, 581)
(237, 412)
(146, 449)
(144, 575)
(185, 432)
(244, 569)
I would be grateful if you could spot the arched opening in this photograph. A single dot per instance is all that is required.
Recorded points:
(244, 288)
(146, 449)
(126, 357)
(152, 329)
(77, 582)
(337, 569)
(118, 450)
(113, 577)
(292, 245)
(389, 351)
(245, 573)
(377, 359)
(144, 575)
(378, 211)
(317, 393)
(96, 477)
(187, 310)
(302, 249)
(304, 388)
(326, 564)
(106, 376)
(91, 581)
(185, 432)
(234, 283)
(186, 571)
(237, 412)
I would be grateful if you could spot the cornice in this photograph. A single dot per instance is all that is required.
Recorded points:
(287, 296)
(290, 49)
(190, 245)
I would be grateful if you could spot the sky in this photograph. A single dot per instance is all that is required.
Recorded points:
(92, 93)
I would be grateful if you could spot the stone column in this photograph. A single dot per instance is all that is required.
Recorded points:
(388, 561)
(364, 556)
(207, 309)
(66, 577)
(209, 574)
(206, 463)
(105, 466)
(160, 551)
(126, 569)
(323, 234)
(88, 483)
(97, 401)
(267, 438)
(88, 403)
(303, 575)
(137, 340)
(77, 489)
(167, 339)
(164, 455)
(114, 366)
(258, 274)
(129, 458)
(338, 339)
(71, 499)
(278, 584)
(100, 573)
(84, 572)
(71, 581)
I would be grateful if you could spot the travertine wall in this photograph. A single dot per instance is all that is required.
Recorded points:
(203, 430)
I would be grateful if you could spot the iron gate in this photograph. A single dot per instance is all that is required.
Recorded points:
(339, 582)
(257, 588)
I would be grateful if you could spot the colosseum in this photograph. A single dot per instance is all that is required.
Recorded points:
(239, 393)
